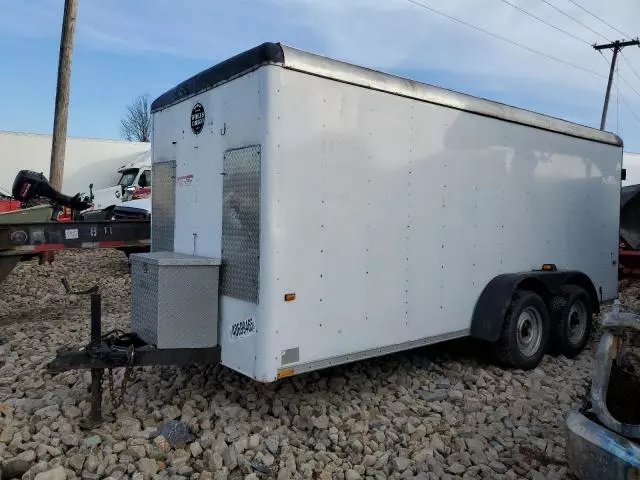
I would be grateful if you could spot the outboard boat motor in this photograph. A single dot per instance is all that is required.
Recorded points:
(29, 185)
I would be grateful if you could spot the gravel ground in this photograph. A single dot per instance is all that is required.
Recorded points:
(435, 413)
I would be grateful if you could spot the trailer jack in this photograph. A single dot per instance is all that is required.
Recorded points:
(117, 349)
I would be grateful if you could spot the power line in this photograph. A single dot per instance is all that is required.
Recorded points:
(624, 99)
(507, 2)
(529, 49)
(630, 109)
(600, 35)
(616, 47)
(621, 77)
(598, 18)
(618, 99)
(504, 39)
(630, 86)
(629, 65)
(574, 19)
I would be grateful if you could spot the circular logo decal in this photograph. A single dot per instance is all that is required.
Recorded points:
(197, 118)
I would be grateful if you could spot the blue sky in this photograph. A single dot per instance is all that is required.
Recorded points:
(126, 48)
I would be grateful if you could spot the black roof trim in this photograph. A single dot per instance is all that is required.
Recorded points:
(324, 67)
(223, 71)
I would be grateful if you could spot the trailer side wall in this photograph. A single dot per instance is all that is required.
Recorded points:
(390, 215)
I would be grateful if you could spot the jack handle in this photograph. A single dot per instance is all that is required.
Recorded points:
(90, 291)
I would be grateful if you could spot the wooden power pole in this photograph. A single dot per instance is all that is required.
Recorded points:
(59, 140)
(616, 47)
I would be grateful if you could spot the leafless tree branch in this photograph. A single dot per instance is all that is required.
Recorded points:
(135, 126)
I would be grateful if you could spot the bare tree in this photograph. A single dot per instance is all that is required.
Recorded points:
(135, 126)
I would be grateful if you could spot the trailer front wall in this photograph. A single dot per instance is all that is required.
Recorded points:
(234, 116)
(391, 215)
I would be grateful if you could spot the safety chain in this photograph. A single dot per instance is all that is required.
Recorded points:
(118, 400)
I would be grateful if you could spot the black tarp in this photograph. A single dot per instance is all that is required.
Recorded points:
(630, 215)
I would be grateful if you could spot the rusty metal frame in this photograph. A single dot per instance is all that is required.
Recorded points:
(21, 238)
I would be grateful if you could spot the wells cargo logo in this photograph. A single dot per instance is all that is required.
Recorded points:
(197, 118)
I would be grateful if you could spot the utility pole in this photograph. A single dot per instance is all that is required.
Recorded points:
(59, 140)
(616, 47)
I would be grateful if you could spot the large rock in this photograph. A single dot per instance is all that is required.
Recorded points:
(196, 449)
(147, 466)
(273, 444)
(400, 464)
(352, 475)
(230, 457)
(91, 463)
(57, 473)
(15, 468)
(321, 422)
(76, 462)
(7, 433)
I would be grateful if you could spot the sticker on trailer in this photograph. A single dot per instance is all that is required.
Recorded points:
(71, 234)
(243, 329)
(184, 180)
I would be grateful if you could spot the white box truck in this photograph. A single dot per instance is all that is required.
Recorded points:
(355, 213)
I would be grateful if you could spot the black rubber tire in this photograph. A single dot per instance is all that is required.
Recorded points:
(561, 322)
(506, 349)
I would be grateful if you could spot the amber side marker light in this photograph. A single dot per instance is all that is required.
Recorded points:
(285, 372)
(289, 297)
(549, 267)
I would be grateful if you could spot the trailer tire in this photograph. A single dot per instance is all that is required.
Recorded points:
(525, 331)
(572, 321)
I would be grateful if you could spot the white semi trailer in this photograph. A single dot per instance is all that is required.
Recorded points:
(87, 160)
(309, 212)
(631, 163)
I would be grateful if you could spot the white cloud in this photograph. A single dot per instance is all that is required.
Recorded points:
(391, 35)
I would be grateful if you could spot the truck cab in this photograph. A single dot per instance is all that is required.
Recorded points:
(134, 183)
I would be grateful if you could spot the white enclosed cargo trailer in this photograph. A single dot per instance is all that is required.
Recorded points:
(356, 213)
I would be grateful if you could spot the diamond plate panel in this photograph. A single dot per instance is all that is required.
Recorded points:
(163, 205)
(174, 299)
(144, 300)
(241, 224)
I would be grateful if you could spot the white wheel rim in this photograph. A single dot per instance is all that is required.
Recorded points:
(576, 322)
(529, 332)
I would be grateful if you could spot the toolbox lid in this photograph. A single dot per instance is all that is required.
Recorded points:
(173, 259)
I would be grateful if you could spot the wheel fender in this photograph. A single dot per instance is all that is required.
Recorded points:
(495, 299)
